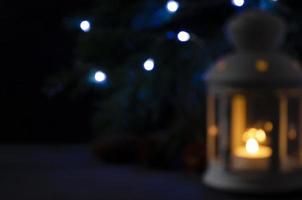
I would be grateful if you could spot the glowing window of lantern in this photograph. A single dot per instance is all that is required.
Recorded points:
(213, 131)
(293, 147)
(250, 142)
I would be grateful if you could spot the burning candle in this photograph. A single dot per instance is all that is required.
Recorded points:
(252, 155)
(252, 146)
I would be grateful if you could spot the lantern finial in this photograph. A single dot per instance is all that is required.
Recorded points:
(256, 31)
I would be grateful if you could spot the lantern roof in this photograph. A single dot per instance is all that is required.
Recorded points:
(257, 60)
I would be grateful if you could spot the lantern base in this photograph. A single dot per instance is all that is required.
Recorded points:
(252, 182)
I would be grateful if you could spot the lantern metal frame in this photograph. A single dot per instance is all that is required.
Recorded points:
(257, 67)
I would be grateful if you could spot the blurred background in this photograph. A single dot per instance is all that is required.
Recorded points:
(124, 76)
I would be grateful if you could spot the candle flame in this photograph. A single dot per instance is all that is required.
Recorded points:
(252, 146)
(258, 134)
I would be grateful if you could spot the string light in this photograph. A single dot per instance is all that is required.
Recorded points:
(172, 6)
(149, 64)
(238, 3)
(183, 36)
(100, 76)
(85, 26)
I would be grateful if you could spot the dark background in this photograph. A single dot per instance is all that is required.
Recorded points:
(36, 43)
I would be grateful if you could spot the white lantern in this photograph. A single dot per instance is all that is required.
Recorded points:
(255, 111)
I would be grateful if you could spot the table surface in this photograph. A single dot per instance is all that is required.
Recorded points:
(54, 172)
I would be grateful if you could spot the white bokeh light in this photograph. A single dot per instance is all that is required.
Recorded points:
(149, 64)
(183, 36)
(85, 26)
(172, 6)
(238, 3)
(100, 76)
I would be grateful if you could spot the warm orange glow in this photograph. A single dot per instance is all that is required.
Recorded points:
(250, 133)
(268, 126)
(213, 130)
(211, 145)
(283, 131)
(238, 120)
(257, 134)
(260, 135)
(292, 134)
(252, 146)
(262, 65)
(252, 149)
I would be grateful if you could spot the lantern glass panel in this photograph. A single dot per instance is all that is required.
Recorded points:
(254, 119)
(292, 132)
(213, 130)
